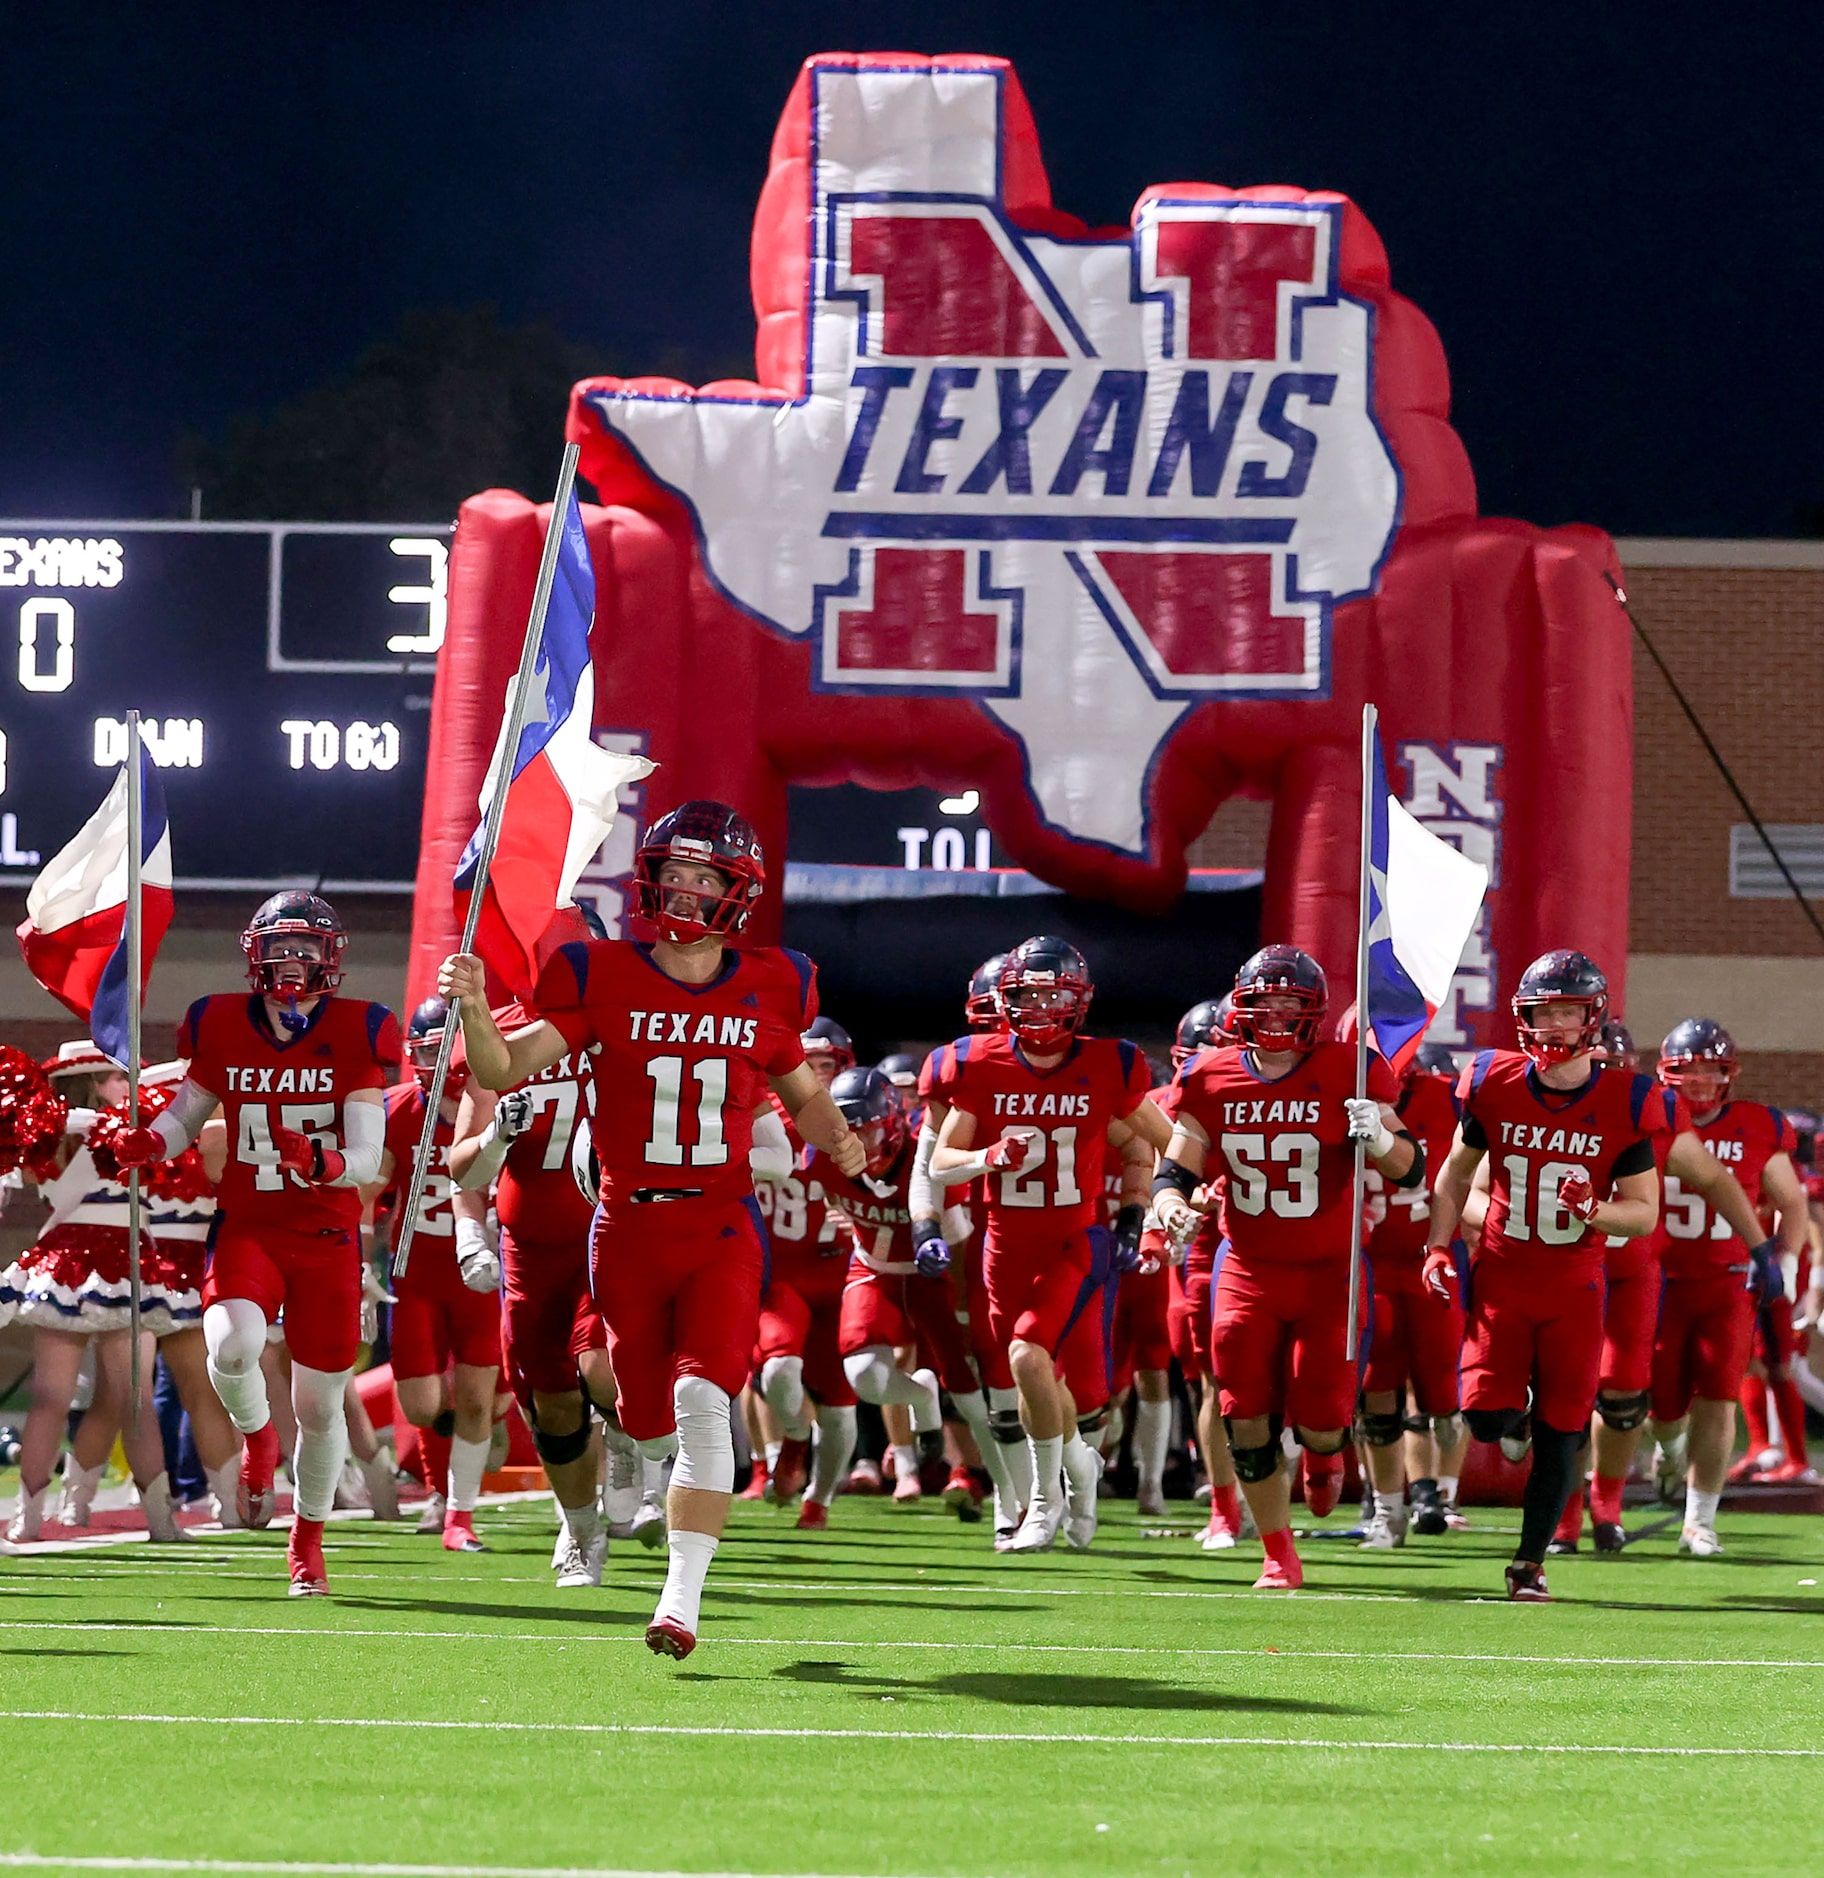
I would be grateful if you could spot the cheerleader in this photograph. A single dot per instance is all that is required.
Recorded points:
(71, 1288)
(179, 1226)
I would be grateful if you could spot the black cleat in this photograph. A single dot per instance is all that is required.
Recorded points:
(1526, 1583)
(1427, 1509)
(1609, 1536)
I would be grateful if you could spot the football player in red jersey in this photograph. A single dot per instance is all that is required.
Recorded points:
(1571, 1161)
(945, 1214)
(1418, 1336)
(1282, 1118)
(1041, 1099)
(890, 1302)
(691, 1033)
(298, 1074)
(446, 1311)
(1192, 1264)
(1714, 1280)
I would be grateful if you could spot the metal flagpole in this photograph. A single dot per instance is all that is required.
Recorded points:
(490, 837)
(1370, 721)
(136, 816)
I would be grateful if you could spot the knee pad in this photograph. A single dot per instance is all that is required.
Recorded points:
(1381, 1431)
(445, 1424)
(659, 1449)
(1492, 1424)
(706, 1443)
(1254, 1465)
(1447, 1430)
(234, 1335)
(781, 1378)
(1092, 1424)
(868, 1370)
(1417, 1424)
(1004, 1425)
(561, 1449)
(1624, 1413)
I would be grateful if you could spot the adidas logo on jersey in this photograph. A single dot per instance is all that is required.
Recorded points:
(727, 1033)
(287, 1081)
(1548, 1140)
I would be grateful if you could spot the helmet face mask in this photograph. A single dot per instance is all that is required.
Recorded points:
(1205, 1025)
(423, 1042)
(827, 1049)
(1698, 1059)
(870, 1105)
(697, 874)
(1615, 1047)
(1279, 1001)
(1045, 993)
(294, 945)
(1560, 1007)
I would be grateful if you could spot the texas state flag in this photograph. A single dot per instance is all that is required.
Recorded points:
(75, 934)
(560, 801)
(1424, 896)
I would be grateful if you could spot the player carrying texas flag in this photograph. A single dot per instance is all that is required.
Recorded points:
(688, 1035)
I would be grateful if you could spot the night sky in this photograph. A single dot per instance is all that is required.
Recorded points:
(1609, 210)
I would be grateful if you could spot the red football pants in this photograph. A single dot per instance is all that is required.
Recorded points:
(1532, 1329)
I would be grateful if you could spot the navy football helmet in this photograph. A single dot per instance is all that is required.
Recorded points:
(1562, 977)
(1280, 972)
(706, 834)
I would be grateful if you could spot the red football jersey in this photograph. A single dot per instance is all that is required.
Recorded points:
(1101, 1079)
(1695, 1241)
(879, 1225)
(1428, 1107)
(1282, 1147)
(800, 1232)
(434, 1237)
(346, 1045)
(535, 1194)
(1535, 1137)
(681, 1067)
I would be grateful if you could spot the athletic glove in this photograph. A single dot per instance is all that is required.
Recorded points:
(307, 1157)
(513, 1114)
(1766, 1276)
(1576, 1195)
(373, 1294)
(476, 1258)
(1016, 1151)
(1130, 1221)
(932, 1255)
(1440, 1273)
(1365, 1124)
(138, 1147)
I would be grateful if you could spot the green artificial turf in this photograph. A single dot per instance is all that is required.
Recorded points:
(933, 1684)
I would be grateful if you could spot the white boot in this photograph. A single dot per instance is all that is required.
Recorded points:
(161, 1515)
(76, 1498)
(224, 1481)
(28, 1518)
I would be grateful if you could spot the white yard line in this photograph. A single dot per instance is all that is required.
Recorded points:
(1288, 1654)
(39, 1861)
(901, 1736)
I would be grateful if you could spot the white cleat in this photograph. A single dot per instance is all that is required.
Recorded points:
(1039, 1529)
(1669, 1468)
(1216, 1538)
(648, 1525)
(1700, 1541)
(430, 1519)
(1386, 1532)
(577, 1569)
(622, 1489)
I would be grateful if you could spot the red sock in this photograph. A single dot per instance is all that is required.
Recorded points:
(1605, 1497)
(1791, 1406)
(434, 1460)
(1570, 1527)
(1227, 1502)
(1754, 1414)
(1280, 1547)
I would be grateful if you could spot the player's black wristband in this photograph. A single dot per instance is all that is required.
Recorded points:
(1175, 1177)
(1130, 1222)
(1414, 1176)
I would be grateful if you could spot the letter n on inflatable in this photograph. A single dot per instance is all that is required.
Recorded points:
(1107, 523)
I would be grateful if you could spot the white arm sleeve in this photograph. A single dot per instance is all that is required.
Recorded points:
(489, 1159)
(921, 1196)
(771, 1155)
(363, 1144)
(181, 1122)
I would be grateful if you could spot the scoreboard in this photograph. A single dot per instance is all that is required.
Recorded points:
(282, 672)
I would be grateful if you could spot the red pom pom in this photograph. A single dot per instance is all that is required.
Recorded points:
(180, 1178)
(32, 1115)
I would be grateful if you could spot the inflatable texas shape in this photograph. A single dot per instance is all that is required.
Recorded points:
(1108, 523)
